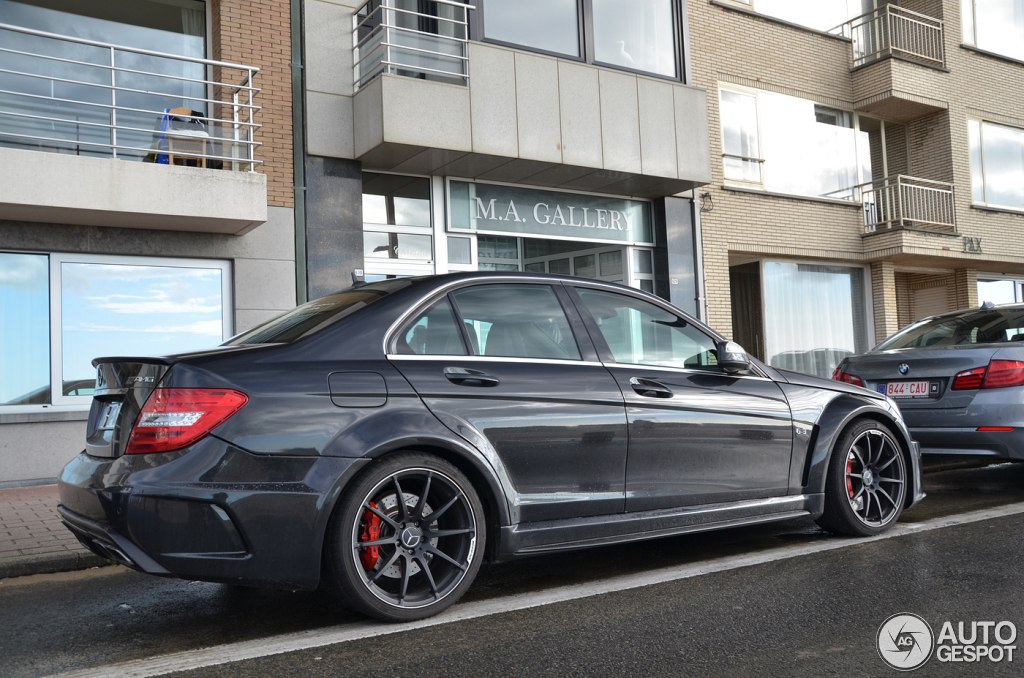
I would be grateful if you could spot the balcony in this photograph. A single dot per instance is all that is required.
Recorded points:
(898, 63)
(430, 44)
(909, 202)
(69, 106)
(893, 31)
(429, 101)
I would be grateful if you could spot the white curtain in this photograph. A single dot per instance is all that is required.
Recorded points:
(814, 315)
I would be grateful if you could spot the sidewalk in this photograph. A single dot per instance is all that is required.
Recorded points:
(32, 538)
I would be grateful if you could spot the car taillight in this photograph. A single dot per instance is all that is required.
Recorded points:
(840, 375)
(173, 418)
(997, 374)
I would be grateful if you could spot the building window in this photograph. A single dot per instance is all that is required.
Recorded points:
(821, 15)
(397, 226)
(833, 296)
(997, 164)
(1001, 291)
(59, 94)
(793, 146)
(59, 311)
(995, 26)
(641, 35)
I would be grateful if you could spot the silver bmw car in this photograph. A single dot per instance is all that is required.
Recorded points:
(958, 379)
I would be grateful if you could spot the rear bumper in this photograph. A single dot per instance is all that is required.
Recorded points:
(971, 442)
(212, 512)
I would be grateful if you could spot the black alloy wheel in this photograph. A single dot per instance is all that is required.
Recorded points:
(407, 538)
(866, 488)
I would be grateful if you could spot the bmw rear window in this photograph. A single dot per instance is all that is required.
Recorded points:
(317, 314)
(981, 326)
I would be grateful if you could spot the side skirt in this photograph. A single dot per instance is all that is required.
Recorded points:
(564, 535)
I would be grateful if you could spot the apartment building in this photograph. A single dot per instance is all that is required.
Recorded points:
(868, 167)
(146, 196)
(522, 135)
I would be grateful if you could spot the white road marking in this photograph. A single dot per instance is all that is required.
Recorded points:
(305, 640)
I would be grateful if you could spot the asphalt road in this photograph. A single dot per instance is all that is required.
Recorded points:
(811, 607)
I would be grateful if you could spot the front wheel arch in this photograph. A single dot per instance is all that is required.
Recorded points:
(868, 480)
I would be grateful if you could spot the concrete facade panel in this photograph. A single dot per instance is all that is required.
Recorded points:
(540, 134)
(492, 99)
(620, 122)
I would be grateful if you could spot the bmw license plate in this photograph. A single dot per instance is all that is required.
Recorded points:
(907, 389)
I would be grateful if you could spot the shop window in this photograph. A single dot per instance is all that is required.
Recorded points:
(57, 93)
(994, 26)
(821, 15)
(833, 296)
(997, 164)
(59, 311)
(793, 146)
(641, 35)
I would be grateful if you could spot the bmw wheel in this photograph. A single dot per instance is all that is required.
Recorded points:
(866, 487)
(407, 538)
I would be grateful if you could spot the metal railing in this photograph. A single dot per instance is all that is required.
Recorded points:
(69, 95)
(396, 37)
(908, 201)
(890, 31)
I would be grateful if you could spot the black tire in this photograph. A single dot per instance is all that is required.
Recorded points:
(406, 560)
(867, 482)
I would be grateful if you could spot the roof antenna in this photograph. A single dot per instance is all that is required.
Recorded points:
(987, 306)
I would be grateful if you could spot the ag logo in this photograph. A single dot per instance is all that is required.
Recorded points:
(905, 641)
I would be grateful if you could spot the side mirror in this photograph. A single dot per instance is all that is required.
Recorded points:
(732, 358)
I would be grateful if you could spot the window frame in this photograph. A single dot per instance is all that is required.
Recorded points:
(586, 39)
(764, 162)
(605, 353)
(970, 39)
(60, 402)
(981, 169)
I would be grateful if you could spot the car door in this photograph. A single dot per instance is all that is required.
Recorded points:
(697, 435)
(502, 365)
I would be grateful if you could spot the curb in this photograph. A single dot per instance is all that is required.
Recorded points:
(49, 564)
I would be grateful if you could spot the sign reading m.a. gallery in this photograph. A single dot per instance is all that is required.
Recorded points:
(528, 211)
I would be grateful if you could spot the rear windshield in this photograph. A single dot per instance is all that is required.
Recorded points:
(317, 314)
(993, 326)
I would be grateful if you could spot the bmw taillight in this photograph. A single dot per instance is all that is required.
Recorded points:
(173, 418)
(997, 374)
(840, 375)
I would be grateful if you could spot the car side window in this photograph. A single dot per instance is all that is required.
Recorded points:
(641, 333)
(433, 332)
(516, 321)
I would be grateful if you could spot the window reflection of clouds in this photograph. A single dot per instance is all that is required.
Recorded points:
(550, 25)
(129, 310)
(997, 164)
(638, 35)
(801, 155)
(24, 327)
(819, 14)
(995, 25)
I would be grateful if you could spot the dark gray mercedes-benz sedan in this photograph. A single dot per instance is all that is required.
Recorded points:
(386, 439)
(958, 379)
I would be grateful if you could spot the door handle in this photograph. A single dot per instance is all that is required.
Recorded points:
(466, 377)
(650, 388)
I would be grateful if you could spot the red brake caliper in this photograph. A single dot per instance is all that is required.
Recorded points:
(369, 530)
(849, 480)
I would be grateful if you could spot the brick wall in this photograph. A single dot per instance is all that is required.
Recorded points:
(731, 45)
(258, 33)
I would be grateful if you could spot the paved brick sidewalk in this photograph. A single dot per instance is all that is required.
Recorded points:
(32, 538)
